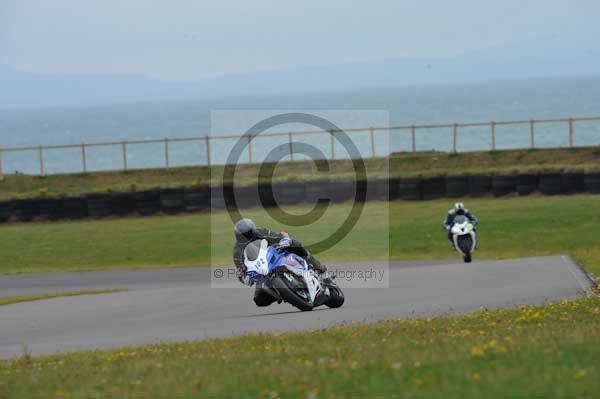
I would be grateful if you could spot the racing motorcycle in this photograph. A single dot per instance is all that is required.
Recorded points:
(464, 237)
(287, 278)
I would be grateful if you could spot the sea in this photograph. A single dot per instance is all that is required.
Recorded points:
(360, 107)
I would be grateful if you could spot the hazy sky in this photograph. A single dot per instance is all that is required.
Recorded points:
(191, 39)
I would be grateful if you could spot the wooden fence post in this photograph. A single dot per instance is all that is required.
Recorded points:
(249, 149)
(332, 134)
(454, 128)
(41, 156)
(372, 131)
(207, 141)
(124, 154)
(414, 138)
(167, 160)
(493, 135)
(83, 158)
(291, 144)
(571, 132)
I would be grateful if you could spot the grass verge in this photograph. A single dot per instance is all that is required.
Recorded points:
(509, 228)
(9, 300)
(545, 351)
(400, 164)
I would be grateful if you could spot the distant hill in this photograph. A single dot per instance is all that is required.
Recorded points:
(550, 57)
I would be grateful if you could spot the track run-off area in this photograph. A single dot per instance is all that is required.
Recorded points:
(169, 305)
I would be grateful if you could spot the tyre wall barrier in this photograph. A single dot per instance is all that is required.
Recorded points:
(27, 210)
(342, 190)
(317, 191)
(72, 208)
(457, 186)
(98, 205)
(122, 204)
(480, 185)
(53, 208)
(592, 183)
(147, 202)
(572, 182)
(376, 189)
(197, 199)
(410, 189)
(527, 183)
(250, 196)
(503, 184)
(204, 198)
(289, 193)
(172, 200)
(433, 188)
(551, 184)
(6, 211)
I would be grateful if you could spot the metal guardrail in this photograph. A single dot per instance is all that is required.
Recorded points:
(290, 135)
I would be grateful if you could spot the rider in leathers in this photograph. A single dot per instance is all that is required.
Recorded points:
(246, 232)
(459, 209)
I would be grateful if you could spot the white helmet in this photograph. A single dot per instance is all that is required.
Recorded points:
(459, 207)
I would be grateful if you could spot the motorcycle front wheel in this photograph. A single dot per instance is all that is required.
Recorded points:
(289, 294)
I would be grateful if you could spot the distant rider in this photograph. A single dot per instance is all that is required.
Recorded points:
(459, 209)
(246, 232)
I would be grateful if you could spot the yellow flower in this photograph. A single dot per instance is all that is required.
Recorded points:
(476, 376)
(580, 373)
(477, 351)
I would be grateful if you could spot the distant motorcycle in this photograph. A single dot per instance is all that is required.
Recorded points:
(287, 278)
(464, 237)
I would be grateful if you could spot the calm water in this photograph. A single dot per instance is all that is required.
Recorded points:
(398, 106)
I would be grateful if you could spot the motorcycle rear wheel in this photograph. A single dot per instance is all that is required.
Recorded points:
(336, 298)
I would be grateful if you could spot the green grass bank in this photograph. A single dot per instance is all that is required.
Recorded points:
(509, 228)
(547, 351)
(399, 164)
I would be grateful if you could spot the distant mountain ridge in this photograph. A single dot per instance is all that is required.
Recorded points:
(551, 57)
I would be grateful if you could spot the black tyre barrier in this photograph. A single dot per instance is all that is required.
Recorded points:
(217, 199)
(98, 205)
(527, 183)
(457, 186)
(289, 193)
(249, 196)
(27, 210)
(551, 184)
(433, 188)
(172, 200)
(340, 191)
(316, 190)
(480, 185)
(74, 208)
(197, 199)
(52, 208)
(572, 182)
(410, 189)
(592, 183)
(503, 184)
(6, 211)
(122, 204)
(377, 189)
(147, 202)
(394, 189)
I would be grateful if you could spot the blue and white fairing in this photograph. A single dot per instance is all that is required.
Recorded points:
(270, 259)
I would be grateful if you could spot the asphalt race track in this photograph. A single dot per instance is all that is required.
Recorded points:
(167, 305)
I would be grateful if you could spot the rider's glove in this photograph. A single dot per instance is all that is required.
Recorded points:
(243, 277)
(284, 243)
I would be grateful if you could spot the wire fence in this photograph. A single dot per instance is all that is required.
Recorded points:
(79, 154)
